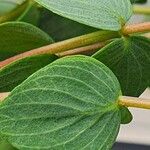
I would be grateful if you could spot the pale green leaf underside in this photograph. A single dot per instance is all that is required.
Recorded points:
(70, 104)
(103, 14)
(129, 59)
(11, 10)
(7, 6)
(18, 37)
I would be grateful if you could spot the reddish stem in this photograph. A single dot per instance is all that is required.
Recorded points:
(136, 28)
(82, 50)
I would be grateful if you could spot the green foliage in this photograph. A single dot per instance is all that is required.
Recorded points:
(129, 59)
(69, 104)
(61, 28)
(13, 74)
(19, 10)
(102, 14)
(11, 10)
(8, 6)
(126, 116)
(18, 37)
(6, 146)
(138, 1)
(31, 14)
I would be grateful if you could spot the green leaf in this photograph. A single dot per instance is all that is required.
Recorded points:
(71, 104)
(102, 14)
(138, 1)
(8, 6)
(13, 74)
(61, 28)
(11, 10)
(126, 116)
(18, 37)
(31, 14)
(6, 146)
(129, 59)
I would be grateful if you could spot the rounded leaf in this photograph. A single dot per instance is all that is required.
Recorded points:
(129, 59)
(102, 14)
(126, 116)
(18, 37)
(71, 104)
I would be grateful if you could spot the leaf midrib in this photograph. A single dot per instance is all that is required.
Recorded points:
(107, 109)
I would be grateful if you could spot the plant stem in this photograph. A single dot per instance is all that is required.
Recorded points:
(123, 101)
(136, 28)
(141, 10)
(80, 41)
(77, 42)
(134, 102)
(82, 50)
(3, 95)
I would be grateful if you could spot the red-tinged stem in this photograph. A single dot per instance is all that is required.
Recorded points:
(76, 42)
(80, 41)
(3, 96)
(82, 50)
(136, 28)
